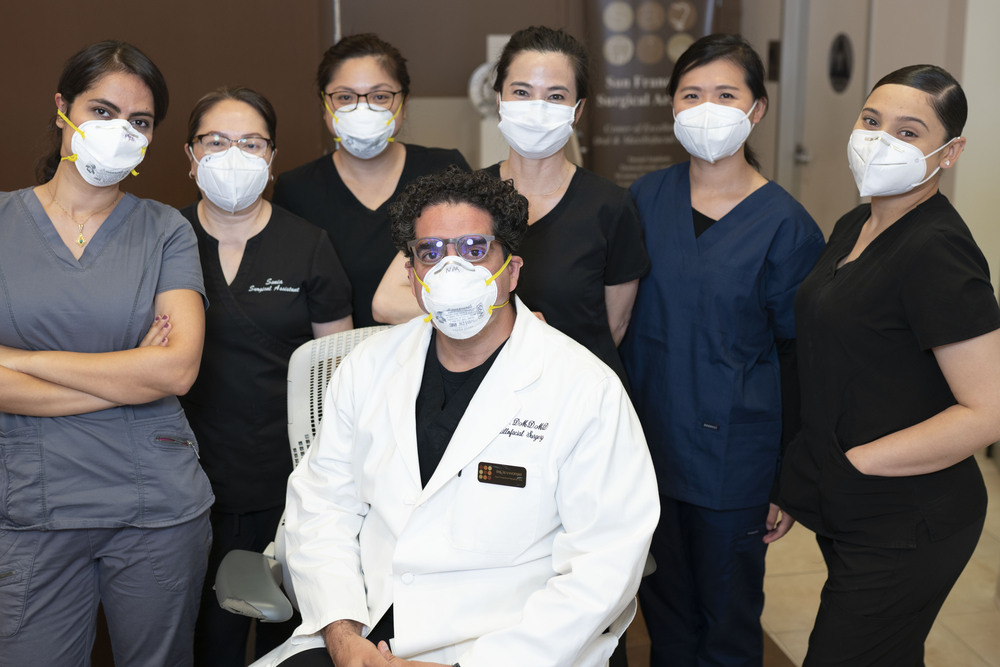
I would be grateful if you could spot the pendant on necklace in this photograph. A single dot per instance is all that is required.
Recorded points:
(80, 240)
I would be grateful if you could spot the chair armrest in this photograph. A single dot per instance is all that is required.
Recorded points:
(249, 584)
(650, 566)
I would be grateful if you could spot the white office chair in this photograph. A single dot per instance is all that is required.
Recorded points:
(249, 583)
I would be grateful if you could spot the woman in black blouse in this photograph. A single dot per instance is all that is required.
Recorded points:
(899, 358)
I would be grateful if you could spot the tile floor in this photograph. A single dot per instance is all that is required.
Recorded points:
(966, 633)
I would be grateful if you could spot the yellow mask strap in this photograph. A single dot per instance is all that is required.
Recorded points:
(71, 158)
(497, 274)
(69, 122)
(134, 172)
(422, 283)
(326, 105)
(394, 116)
(492, 308)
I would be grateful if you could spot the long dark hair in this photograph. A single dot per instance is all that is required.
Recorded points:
(358, 46)
(947, 97)
(248, 96)
(83, 70)
(736, 50)
(546, 40)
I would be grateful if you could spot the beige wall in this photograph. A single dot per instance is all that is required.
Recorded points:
(760, 23)
(977, 193)
(910, 32)
(961, 36)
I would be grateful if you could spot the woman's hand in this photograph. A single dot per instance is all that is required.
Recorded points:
(778, 523)
(157, 334)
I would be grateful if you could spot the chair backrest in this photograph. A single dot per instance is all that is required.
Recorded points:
(309, 371)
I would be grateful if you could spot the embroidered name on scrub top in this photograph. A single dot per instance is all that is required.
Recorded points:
(274, 285)
(504, 475)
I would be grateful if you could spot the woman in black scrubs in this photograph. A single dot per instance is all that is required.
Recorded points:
(899, 358)
(363, 84)
(274, 282)
(583, 252)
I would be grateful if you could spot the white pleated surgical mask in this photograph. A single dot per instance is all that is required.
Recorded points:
(105, 151)
(233, 179)
(884, 165)
(536, 129)
(712, 131)
(460, 296)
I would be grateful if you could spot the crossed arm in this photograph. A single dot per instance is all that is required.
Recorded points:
(55, 383)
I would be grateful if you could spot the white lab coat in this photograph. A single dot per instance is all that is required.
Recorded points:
(477, 573)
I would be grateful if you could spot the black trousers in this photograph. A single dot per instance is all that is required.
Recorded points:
(220, 637)
(878, 605)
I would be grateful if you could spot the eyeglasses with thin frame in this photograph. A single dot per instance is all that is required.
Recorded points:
(218, 143)
(471, 247)
(345, 100)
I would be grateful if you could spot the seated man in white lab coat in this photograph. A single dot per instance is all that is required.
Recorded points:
(480, 492)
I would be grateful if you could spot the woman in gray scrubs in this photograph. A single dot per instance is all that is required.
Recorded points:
(101, 326)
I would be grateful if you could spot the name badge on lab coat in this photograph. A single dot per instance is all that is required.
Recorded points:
(504, 475)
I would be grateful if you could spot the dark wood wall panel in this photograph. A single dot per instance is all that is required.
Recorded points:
(271, 45)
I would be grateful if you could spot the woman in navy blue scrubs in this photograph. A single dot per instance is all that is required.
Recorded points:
(711, 341)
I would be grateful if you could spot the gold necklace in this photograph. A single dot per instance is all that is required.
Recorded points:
(81, 239)
(569, 173)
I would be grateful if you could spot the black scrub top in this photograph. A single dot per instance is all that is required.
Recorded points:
(289, 277)
(360, 235)
(866, 334)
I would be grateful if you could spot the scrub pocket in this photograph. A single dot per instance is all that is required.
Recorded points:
(17, 553)
(166, 444)
(866, 509)
(172, 484)
(22, 476)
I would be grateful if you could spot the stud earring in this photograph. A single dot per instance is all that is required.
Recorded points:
(947, 163)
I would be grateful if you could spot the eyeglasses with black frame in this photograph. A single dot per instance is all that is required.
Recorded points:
(471, 247)
(346, 100)
(213, 142)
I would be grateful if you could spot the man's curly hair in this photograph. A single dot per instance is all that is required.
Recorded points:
(507, 208)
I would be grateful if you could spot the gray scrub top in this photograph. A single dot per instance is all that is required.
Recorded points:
(133, 465)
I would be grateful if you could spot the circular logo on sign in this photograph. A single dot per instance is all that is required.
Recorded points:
(618, 16)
